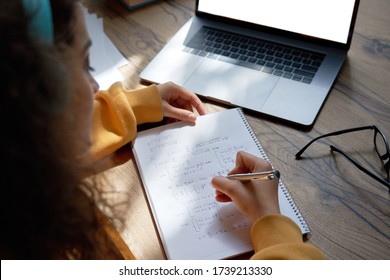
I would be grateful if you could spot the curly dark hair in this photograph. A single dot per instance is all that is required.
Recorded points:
(45, 212)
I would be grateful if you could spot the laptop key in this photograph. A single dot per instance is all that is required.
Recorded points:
(268, 70)
(249, 65)
(279, 67)
(296, 65)
(278, 60)
(196, 45)
(251, 54)
(226, 53)
(297, 78)
(287, 75)
(227, 59)
(297, 59)
(304, 73)
(252, 60)
(317, 57)
(279, 54)
(310, 68)
(316, 64)
(193, 51)
(212, 56)
(261, 62)
(252, 48)
(305, 55)
(203, 53)
(227, 42)
(278, 73)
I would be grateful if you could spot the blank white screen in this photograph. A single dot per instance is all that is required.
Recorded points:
(325, 19)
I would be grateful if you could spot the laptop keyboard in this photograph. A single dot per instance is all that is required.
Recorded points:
(272, 58)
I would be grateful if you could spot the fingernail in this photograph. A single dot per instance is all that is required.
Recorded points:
(192, 116)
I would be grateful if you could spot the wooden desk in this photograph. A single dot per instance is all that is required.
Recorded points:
(347, 211)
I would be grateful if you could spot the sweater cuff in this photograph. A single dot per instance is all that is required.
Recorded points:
(274, 229)
(146, 104)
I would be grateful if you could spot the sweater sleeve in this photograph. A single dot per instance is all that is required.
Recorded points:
(116, 114)
(278, 237)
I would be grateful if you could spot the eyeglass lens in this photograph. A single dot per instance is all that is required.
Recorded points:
(382, 148)
(380, 144)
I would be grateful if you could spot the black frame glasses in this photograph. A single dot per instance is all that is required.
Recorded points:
(385, 156)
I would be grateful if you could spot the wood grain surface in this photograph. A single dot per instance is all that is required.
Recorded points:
(347, 211)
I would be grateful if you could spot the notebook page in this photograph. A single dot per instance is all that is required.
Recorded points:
(176, 164)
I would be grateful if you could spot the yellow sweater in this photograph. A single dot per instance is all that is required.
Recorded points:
(277, 237)
(117, 112)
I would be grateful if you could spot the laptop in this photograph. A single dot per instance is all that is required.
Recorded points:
(278, 58)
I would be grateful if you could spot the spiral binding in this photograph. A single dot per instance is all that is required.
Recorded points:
(282, 186)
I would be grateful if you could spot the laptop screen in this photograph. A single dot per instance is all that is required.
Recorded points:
(323, 19)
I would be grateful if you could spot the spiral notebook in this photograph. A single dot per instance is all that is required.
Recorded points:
(176, 163)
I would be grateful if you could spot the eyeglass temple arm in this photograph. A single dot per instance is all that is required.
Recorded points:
(300, 152)
(380, 180)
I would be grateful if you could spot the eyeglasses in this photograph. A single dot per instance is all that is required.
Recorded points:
(381, 147)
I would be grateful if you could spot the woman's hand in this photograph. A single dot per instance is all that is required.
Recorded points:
(178, 103)
(252, 198)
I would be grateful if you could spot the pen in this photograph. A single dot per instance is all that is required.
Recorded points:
(263, 176)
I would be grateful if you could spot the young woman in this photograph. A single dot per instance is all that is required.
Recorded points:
(57, 124)
(50, 103)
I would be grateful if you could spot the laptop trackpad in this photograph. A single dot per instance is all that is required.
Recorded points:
(231, 83)
(295, 101)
